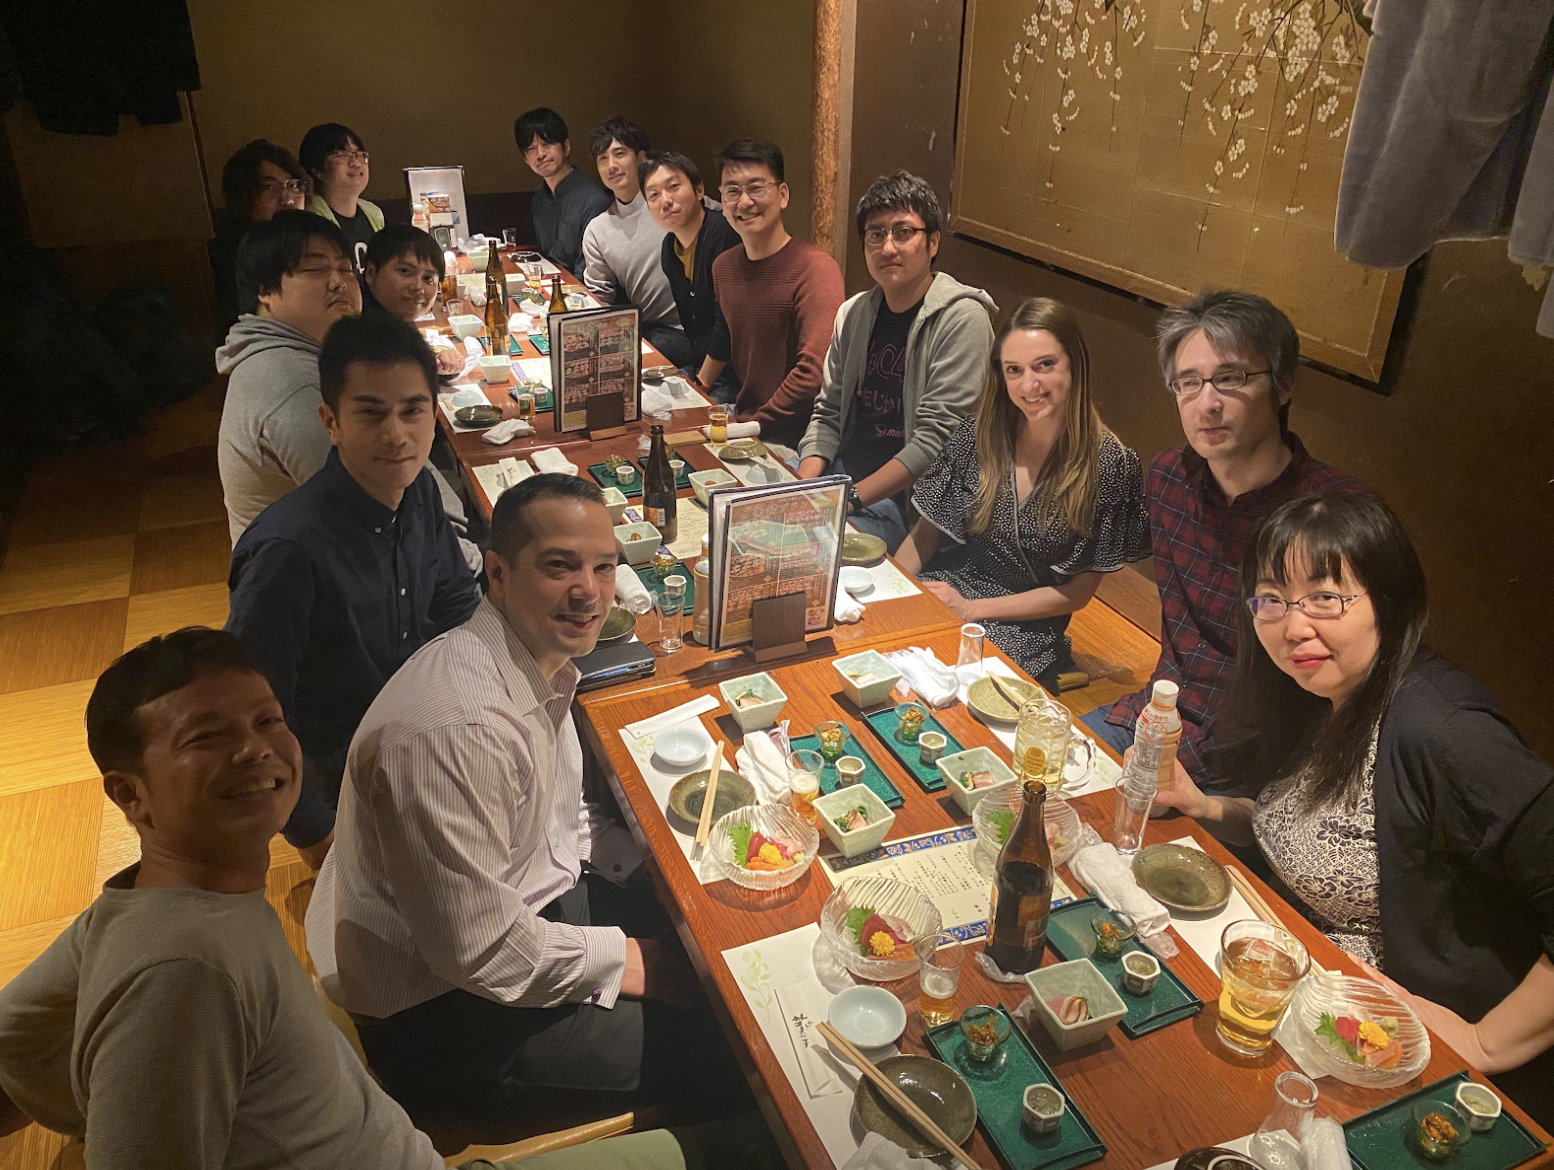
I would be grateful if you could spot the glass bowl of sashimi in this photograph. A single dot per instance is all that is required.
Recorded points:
(880, 928)
(763, 847)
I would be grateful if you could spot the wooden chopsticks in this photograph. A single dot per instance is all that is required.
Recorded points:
(705, 821)
(1253, 898)
(903, 1104)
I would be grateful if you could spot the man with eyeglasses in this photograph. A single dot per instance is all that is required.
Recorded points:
(1229, 360)
(906, 362)
(334, 155)
(778, 294)
(259, 180)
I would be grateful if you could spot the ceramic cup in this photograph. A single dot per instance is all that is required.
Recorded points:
(848, 771)
(1481, 1106)
(930, 746)
(1044, 1108)
(625, 473)
(1139, 972)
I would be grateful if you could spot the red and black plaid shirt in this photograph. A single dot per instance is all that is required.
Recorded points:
(1198, 538)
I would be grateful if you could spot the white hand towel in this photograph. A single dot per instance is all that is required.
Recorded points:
(935, 683)
(738, 430)
(630, 591)
(656, 402)
(551, 459)
(848, 608)
(761, 762)
(506, 432)
(1110, 878)
(880, 1153)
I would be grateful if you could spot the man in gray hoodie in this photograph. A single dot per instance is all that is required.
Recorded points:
(907, 361)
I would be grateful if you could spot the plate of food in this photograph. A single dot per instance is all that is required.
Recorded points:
(764, 847)
(878, 927)
(1356, 1030)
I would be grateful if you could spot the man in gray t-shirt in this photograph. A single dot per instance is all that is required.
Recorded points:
(170, 1024)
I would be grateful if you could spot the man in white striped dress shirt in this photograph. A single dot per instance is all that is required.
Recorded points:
(450, 919)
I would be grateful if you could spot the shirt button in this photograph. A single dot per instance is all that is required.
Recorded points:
(404, 635)
(378, 530)
(555, 842)
(401, 592)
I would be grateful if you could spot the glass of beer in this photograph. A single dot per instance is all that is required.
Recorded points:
(717, 424)
(804, 782)
(939, 976)
(1260, 964)
(1044, 744)
(525, 402)
(533, 268)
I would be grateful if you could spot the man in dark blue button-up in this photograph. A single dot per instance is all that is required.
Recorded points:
(342, 579)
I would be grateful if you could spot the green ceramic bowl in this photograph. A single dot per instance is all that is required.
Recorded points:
(618, 623)
(934, 1087)
(1183, 879)
(686, 797)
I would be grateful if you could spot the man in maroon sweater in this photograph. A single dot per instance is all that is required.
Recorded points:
(778, 294)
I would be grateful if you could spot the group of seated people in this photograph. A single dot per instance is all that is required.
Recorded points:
(400, 706)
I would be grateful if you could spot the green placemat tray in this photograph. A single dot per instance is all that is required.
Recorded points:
(1380, 1139)
(1000, 1095)
(683, 480)
(604, 477)
(884, 724)
(649, 577)
(1069, 933)
(872, 776)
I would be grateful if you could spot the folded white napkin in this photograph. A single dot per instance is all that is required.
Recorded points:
(880, 1153)
(518, 324)
(506, 432)
(630, 591)
(673, 717)
(761, 762)
(935, 683)
(803, 1006)
(738, 430)
(1322, 1144)
(656, 402)
(551, 459)
(848, 608)
(1110, 878)
(476, 297)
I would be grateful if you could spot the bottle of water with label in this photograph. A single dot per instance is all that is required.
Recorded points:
(1149, 770)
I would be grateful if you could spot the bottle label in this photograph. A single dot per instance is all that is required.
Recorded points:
(657, 517)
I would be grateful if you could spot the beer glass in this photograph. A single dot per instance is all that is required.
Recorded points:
(717, 424)
(804, 782)
(938, 977)
(1260, 965)
(1045, 745)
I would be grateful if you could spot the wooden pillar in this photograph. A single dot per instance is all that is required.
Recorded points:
(835, 26)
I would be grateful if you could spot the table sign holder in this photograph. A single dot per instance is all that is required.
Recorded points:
(442, 188)
(777, 627)
(606, 417)
(595, 353)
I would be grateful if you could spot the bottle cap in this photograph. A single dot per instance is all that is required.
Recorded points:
(706, 543)
(1165, 693)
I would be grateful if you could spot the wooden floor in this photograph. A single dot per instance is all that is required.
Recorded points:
(114, 545)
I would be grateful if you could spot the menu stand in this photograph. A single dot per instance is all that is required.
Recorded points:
(606, 417)
(777, 627)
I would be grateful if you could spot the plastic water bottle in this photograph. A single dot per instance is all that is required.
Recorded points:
(1149, 769)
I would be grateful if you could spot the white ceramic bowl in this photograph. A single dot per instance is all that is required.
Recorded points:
(869, 1017)
(1079, 977)
(869, 694)
(1344, 995)
(759, 717)
(906, 909)
(856, 580)
(465, 324)
(776, 821)
(683, 747)
(468, 396)
(479, 259)
(637, 542)
(703, 481)
(615, 503)
(496, 368)
(977, 759)
(860, 840)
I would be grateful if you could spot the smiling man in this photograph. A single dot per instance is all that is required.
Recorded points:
(338, 163)
(1229, 360)
(567, 200)
(403, 271)
(622, 246)
(488, 974)
(339, 582)
(906, 360)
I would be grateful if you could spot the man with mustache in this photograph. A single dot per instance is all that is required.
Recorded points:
(465, 916)
(341, 580)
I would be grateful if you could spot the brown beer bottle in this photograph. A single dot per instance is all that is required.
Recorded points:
(1022, 887)
(496, 303)
(658, 492)
(558, 303)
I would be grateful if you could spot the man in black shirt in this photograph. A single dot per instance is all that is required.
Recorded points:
(566, 201)
(336, 159)
(907, 361)
(696, 234)
(346, 576)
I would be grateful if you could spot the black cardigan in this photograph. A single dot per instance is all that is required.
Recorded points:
(1465, 844)
(698, 305)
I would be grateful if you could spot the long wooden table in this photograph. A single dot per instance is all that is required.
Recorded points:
(1150, 1098)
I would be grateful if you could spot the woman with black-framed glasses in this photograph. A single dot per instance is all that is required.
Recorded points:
(1396, 803)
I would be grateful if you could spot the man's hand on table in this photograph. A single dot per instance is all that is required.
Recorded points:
(653, 972)
(449, 361)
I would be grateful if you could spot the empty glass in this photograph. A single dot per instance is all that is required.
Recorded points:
(1276, 1144)
(670, 599)
(510, 237)
(971, 639)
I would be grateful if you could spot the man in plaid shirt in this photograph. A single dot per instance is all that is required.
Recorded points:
(1229, 359)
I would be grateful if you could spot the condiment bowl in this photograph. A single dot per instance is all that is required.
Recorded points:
(682, 747)
(869, 1017)
(857, 581)
(1043, 1108)
(637, 542)
(905, 909)
(762, 715)
(860, 840)
(703, 482)
(1481, 1107)
(978, 759)
(1140, 971)
(1438, 1146)
(873, 692)
(1079, 977)
(774, 821)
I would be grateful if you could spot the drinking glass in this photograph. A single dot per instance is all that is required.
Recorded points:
(510, 237)
(1045, 744)
(1276, 1144)
(717, 424)
(971, 639)
(832, 736)
(804, 782)
(525, 406)
(1260, 964)
(533, 268)
(671, 599)
(939, 976)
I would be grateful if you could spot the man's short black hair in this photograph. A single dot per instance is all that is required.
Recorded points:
(240, 177)
(668, 158)
(902, 191)
(542, 123)
(511, 531)
(752, 150)
(618, 129)
(378, 338)
(393, 240)
(114, 733)
(271, 249)
(322, 141)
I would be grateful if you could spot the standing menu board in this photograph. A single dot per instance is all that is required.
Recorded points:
(772, 542)
(442, 190)
(594, 352)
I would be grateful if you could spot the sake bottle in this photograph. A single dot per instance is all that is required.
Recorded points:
(1022, 887)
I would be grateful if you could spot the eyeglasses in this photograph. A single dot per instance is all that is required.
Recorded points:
(757, 189)
(290, 186)
(1231, 379)
(348, 156)
(901, 233)
(1323, 604)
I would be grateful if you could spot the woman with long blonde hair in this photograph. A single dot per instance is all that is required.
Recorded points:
(1036, 496)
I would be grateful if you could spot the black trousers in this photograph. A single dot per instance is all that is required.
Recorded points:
(462, 1058)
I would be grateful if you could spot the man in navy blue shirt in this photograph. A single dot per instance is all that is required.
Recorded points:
(342, 579)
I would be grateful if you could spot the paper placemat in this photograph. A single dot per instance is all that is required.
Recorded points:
(754, 472)
(659, 784)
(445, 402)
(495, 478)
(890, 583)
(787, 961)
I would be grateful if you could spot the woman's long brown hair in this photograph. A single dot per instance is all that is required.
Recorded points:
(1066, 483)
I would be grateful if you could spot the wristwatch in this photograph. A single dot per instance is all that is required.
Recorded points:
(854, 500)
